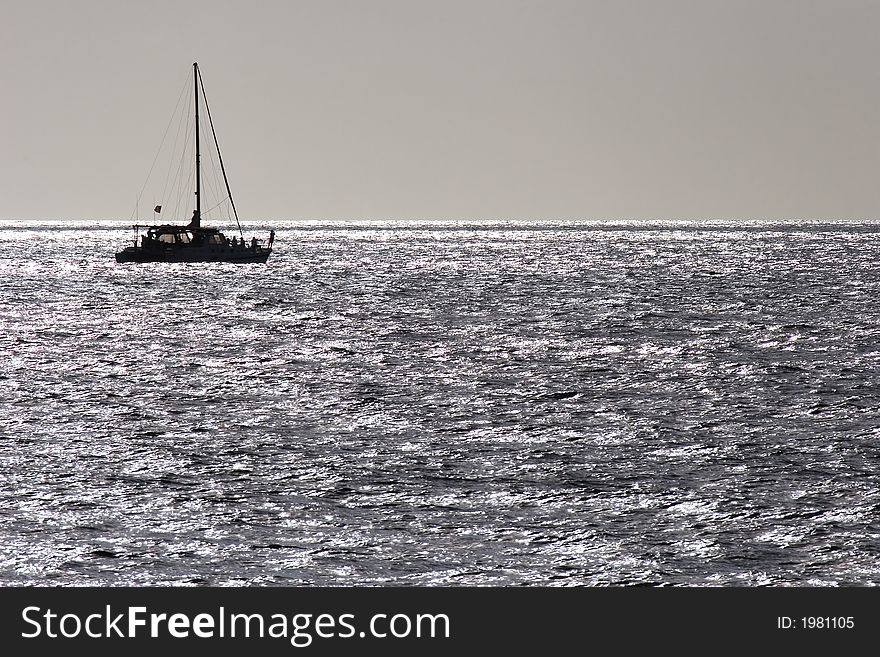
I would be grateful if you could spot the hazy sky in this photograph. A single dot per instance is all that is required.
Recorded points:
(452, 109)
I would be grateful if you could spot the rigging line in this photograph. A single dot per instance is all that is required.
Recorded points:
(183, 121)
(210, 164)
(219, 154)
(216, 205)
(214, 185)
(180, 184)
(179, 96)
(209, 190)
(170, 192)
(187, 184)
(212, 179)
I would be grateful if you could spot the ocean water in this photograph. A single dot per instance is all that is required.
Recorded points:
(446, 403)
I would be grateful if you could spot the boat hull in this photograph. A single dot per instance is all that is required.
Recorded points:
(237, 256)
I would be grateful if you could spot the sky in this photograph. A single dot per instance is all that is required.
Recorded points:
(452, 109)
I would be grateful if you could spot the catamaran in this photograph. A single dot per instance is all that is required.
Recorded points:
(193, 242)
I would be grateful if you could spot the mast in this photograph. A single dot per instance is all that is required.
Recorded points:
(197, 217)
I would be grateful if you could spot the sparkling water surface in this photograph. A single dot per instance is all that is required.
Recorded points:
(444, 403)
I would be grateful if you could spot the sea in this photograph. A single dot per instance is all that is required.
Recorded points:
(444, 403)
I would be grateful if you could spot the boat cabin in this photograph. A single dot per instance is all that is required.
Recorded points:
(168, 235)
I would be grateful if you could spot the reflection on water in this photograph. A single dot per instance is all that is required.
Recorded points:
(444, 403)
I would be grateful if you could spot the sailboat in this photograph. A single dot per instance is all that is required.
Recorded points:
(193, 242)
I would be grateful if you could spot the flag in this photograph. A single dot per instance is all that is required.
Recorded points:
(158, 208)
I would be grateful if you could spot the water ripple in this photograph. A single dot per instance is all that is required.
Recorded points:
(445, 403)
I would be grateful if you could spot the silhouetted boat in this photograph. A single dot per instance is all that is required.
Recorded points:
(193, 242)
